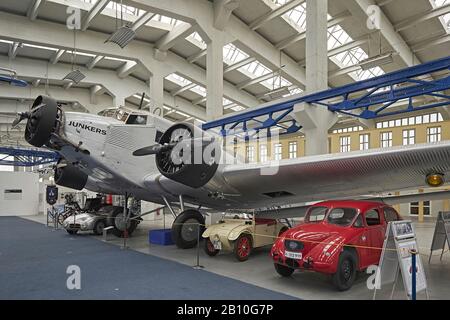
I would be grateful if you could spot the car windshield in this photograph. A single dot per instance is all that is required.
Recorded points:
(341, 216)
(316, 214)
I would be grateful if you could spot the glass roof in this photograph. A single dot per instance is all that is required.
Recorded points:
(232, 54)
(445, 19)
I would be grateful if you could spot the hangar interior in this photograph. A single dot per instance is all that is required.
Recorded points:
(196, 62)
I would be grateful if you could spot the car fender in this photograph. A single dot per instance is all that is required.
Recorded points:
(237, 231)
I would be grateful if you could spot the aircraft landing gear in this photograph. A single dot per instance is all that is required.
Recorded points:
(121, 220)
(185, 228)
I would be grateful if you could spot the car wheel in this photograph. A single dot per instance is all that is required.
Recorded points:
(243, 247)
(72, 231)
(283, 271)
(209, 248)
(99, 226)
(346, 271)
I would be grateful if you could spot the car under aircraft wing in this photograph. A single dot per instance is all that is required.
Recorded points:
(343, 175)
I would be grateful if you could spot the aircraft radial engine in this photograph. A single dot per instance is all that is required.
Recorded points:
(186, 154)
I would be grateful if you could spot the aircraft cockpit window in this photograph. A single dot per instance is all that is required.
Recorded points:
(137, 119)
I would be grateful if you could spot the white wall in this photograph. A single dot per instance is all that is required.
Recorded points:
(24, 204)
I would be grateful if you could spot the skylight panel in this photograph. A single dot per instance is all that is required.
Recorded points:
(196, 39)
(112, 5)
(255, 69)
(232, 54)
(445, 19)
(167, 20)
(297, 16)
(199, 90)
(175, 78)
(337, 37)
(276, 82)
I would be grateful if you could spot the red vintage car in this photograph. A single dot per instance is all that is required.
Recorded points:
(337, 238)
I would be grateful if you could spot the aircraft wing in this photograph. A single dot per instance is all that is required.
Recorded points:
(341, 175)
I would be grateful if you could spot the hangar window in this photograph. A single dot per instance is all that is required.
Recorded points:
(386, 139)
(364, 141)
(292, 149)
(344, 144)
(263, 153)
(409, 137)
(445, 19)
(373, 217)
(250, 154)
(433, 134)
(278, 151)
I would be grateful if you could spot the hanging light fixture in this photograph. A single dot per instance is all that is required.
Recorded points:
(75, 76)
(123, 34)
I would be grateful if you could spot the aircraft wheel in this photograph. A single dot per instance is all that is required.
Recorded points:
(185, 228)
(42, 121)
(209, 248)
(119, 224)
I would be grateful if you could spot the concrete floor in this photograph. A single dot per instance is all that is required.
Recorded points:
(258, 270)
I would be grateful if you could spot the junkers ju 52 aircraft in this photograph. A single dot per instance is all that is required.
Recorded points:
(137, 153)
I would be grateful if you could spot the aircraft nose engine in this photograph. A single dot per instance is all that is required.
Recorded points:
(43, 119)
(186, 154)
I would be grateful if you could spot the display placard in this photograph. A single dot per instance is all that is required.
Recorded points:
(399, 242)
(441, 234)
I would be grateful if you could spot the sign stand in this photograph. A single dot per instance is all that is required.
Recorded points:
(441, 234)
(399, 251)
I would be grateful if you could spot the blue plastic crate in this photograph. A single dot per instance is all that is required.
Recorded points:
(161, 237)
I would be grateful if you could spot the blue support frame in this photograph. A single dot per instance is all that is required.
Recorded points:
(381, 92)
(24, 157)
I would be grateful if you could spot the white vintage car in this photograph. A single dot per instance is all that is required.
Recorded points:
(85, 222)
(240, 235)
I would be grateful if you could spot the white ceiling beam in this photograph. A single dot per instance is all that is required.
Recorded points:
(340, 49)
(222, 12)
(96, 9)
(33, 9)
(94, 61)
(343, 71)
(13, 48)
(434, 41)
(183, 89)
(393, 38)
(199, 100)
(56, 56)
(339, 18)
(170, 39)
(15, 27)
(142, 20)
(126, 69)
(237, 31)
(239, 64)
(256, 80)
(275, 13)
(421, 17)
(196, 56)
(68, 85)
